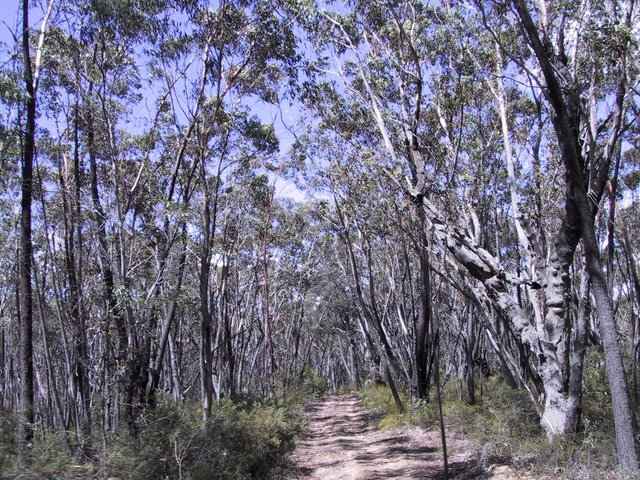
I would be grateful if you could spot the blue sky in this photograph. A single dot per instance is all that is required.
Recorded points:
(284, 117)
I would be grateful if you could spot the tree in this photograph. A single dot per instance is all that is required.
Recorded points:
(31, 79)
(381, 54)
(583, 197)
(455, 157)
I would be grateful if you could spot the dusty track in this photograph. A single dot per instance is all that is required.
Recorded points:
(343, 443)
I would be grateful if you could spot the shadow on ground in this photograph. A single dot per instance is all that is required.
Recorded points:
(343, 443)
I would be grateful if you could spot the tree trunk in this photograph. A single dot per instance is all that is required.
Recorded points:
(26, 408)
(622, 413)
(423, 324)
(51, 374)
(206, 357)
(566, 123)
(165, 330)
(209, 219)
(113, 309)
(74, 275)
(469, 348)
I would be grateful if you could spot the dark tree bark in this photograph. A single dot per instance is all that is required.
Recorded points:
(469, 360)
(206, 317)
(74, 267)
(26, 408)
(424, 320)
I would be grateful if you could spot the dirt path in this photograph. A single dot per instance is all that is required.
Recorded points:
(343, 443)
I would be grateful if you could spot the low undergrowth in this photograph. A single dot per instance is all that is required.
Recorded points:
(505, 427)
(378, 399)
(244, 440)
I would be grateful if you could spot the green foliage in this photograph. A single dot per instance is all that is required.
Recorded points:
(312, 383)
(506, 418)
(597, 411)
(378, 399)
(302, 385)
(48, 456)
(51, 460)
(504, 422)
(238, 442)
(8, 425)
(262, 136)
(588, 456)
(502, 415)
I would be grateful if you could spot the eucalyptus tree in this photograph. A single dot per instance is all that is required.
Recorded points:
(434, 84)
(31, 72)
(243, 49)
(385, 56)
(10, 133)
(588, 146)
(376, 257)
(147, 186)
(92, 81)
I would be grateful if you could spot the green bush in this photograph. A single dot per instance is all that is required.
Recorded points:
(247, 440)
(507, 417)
(502, 415)
(8, 427)
(238, 442)
(300, 385)
(378, 399)
(49, 458)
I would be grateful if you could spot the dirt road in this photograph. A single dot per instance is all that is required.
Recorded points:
(343, 443)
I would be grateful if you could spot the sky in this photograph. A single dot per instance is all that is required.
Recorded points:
(8, 19)
(284, 117)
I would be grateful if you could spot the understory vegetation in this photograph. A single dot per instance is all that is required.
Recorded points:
(257, 200)
(241, 440)
(250, 437)
(244, 438)
(505, 427)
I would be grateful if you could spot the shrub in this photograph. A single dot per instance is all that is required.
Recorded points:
(238, 442)
(8, 427)
(378, 399)
(302, 384)
(502, 416)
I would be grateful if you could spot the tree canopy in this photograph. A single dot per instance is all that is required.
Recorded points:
(465, 178)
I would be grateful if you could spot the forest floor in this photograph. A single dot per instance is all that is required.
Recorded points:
(343, 442)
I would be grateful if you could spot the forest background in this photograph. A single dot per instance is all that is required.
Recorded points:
(208, 206)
